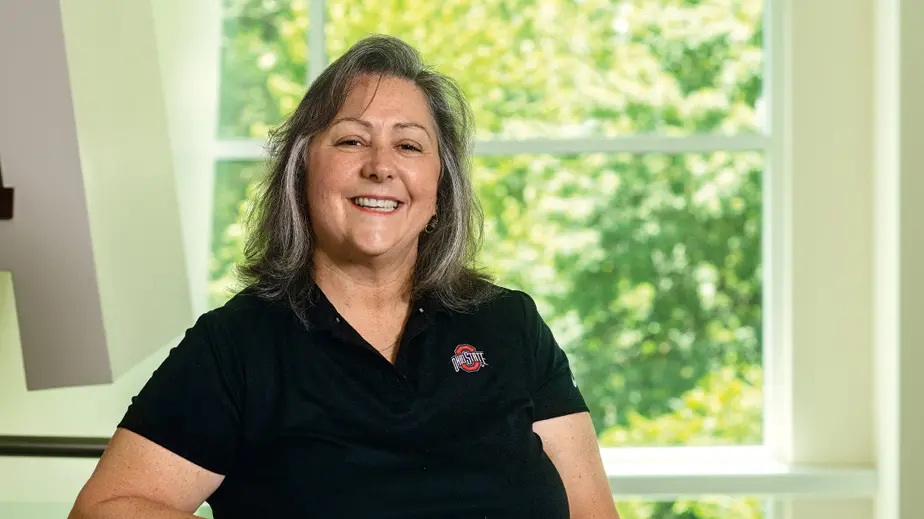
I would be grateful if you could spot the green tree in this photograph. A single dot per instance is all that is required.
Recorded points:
(725, 404)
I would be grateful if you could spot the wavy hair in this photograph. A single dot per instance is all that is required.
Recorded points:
(280, 243)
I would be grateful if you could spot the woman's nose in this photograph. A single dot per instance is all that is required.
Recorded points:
(381, 164)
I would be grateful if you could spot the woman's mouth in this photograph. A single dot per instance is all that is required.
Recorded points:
(377, 205)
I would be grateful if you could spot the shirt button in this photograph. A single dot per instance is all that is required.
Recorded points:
(421, 310)
(337, 319)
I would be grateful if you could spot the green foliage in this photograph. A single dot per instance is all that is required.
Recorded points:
(647, 266)
(234, 182)
(701, 508)
(724, 404)
(264, 64)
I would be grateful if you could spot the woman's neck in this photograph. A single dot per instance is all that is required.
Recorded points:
(361, 288)
(375, 302)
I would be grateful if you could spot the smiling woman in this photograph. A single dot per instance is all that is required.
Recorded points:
(366, 357)
(375, 174)
(377, 124)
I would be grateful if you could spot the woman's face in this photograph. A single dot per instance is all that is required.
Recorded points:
(372, 176)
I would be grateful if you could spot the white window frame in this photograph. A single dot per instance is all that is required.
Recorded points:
(783, 470)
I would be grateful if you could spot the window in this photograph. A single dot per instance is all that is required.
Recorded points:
(620, 165)
(623, 151)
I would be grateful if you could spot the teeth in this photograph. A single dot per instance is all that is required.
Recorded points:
(373, 203)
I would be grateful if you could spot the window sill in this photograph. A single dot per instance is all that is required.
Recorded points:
(666, 473)
(651, 473)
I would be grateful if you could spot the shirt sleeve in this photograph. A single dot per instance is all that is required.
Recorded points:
(191, 403)
(554, 389)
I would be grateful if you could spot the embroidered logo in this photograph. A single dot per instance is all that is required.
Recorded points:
(468, 359)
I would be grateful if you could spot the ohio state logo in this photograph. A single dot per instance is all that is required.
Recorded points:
(468, 359)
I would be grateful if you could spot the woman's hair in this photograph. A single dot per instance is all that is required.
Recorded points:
(280, 243)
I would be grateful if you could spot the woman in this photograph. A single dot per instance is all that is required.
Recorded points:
(367, 370)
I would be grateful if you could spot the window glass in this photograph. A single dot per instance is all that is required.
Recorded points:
(719, 507)
(234, 184)
(264, 59)
(559, 68)
(647, 266)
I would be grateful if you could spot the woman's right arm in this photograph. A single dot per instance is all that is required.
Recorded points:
(137, 478)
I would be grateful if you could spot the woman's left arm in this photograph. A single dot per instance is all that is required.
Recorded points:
(571, 444)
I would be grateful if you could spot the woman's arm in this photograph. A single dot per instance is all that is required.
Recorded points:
(139, 479)
(571, 444)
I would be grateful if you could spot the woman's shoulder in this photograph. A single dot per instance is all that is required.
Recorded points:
(249, 313)
(504, 302)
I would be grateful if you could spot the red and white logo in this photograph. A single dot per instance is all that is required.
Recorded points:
(468, 359)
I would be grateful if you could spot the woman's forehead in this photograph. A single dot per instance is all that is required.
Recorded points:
(374, 97)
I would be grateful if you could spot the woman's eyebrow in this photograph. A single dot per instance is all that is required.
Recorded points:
(404, 125)
(400, 125)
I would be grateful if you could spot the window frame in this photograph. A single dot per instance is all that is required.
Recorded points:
(782, 469)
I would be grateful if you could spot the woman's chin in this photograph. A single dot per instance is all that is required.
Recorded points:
(374, 250)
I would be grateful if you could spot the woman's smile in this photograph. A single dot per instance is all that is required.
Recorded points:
(376, 205)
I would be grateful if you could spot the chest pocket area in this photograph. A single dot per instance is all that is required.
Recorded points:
(473, 387)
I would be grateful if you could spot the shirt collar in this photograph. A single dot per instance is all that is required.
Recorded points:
(321, 313)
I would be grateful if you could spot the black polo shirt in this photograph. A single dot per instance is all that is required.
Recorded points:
(314, 422)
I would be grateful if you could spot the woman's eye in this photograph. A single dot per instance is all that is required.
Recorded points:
(410, 147)
(349, 142)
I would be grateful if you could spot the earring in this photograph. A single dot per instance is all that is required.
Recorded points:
(431, 225)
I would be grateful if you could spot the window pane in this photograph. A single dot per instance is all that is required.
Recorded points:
(264, 59)
(699, 508)
(647, 268)
(233, 181)
(556, 68)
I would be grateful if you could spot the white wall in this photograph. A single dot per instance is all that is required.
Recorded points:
(80, 411)
(188, 46)
(899, 255)
(96, 243)
(41, 160)
(129, 175)
(821, 385)
(187, 35)
(828, 149)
